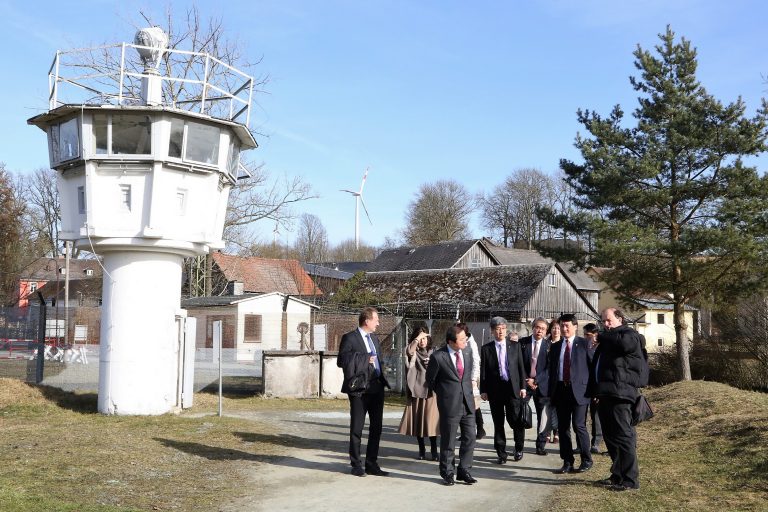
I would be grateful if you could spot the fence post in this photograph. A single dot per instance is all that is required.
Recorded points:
(40, 341)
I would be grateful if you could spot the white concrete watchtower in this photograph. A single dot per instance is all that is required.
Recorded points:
(146, 142)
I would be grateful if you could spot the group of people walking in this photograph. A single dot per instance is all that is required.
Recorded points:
(563, 374)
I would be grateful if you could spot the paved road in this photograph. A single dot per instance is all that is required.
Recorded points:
(315, 477)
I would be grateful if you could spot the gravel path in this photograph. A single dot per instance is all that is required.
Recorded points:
(315, 476)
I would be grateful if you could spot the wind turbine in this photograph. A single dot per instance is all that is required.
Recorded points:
(358, 202)
(275, 234)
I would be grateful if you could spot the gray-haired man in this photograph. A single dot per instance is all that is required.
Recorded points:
(502, 383)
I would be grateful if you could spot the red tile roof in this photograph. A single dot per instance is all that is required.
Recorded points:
(265, 275)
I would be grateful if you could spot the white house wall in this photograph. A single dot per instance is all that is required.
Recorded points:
(654, 331)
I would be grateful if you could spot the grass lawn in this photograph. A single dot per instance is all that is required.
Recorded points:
(705, 449)
(58, 454)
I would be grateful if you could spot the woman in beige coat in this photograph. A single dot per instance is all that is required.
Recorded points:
(420, 418)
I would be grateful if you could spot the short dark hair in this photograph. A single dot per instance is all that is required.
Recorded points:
(590, 328)
(568, 317)
(366, 314)
(452, 334)
(465, 327)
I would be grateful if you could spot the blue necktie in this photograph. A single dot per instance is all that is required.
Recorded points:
(375, 356)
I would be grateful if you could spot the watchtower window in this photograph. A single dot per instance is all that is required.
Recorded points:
(65, 140)
(202, 143)
(131, 134)
(122, 134)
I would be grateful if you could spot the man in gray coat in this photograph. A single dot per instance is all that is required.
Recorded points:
(449, 376)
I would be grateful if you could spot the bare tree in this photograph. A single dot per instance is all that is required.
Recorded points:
(509, 212)
(13, 235)
(440, 212)
(311, 239)
(261, 197)
(346, 251)
(44, 209)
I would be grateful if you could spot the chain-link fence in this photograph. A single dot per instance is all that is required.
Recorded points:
(72, 345)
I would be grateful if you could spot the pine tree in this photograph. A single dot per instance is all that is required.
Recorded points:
(675, 211)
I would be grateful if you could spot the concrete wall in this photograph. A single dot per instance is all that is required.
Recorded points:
(291, 374)
(331, 376)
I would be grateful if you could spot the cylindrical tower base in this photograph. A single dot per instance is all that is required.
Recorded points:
(138, 372)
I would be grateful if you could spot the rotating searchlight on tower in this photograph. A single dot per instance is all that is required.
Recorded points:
(146, 142)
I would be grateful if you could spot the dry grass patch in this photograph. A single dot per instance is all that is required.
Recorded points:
(706, 449)
(58, 454)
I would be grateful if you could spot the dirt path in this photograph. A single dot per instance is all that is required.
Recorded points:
(315, 477)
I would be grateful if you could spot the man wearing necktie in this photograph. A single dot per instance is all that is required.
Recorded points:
(449, 377)
(361, 347)
(502, 383)
(533, 348)
(569, 374)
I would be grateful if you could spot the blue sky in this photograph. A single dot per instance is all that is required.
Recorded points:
(416, 90)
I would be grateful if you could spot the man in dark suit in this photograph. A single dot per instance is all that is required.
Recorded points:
(531, 347)
(449, 377)
(356, 347)
(569, 375)
(502, 383)
(618, 369)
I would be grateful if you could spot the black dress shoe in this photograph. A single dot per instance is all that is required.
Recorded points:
(585, 465)
(376, 471)
(358, 471)
(435, 457)
(607, 481)
(594, 449)
(502, 459)
(541, 451)
(465, 477)
(621, 488)
(567, 468)
(420, 457)
(448, 479)
(518, 456)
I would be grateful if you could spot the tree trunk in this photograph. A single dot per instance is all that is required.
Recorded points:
(681, 339)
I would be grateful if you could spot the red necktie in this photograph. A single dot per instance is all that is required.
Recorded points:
(567, 362)
(459, 366)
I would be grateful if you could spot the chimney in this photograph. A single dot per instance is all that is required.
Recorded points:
(235, 288)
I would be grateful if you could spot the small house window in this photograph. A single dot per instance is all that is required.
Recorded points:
(660, 342)
(552, 279)
(62, 271)
(32, 287)
(252, 329)
(475, 262)
(89, 271)
(660, 318)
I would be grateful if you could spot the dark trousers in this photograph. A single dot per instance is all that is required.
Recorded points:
(597, 431)
(569, 412)
(373, 405)
(539, 404)
(506, 407)
(448, 427)
(620, 439)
